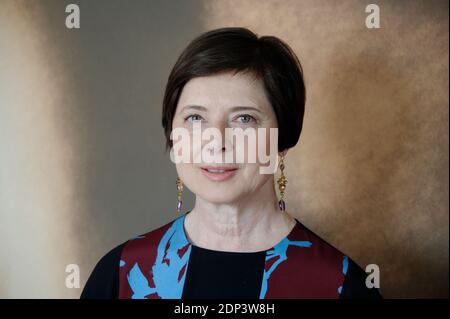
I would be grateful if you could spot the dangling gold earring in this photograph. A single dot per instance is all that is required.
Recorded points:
(180, 194)
(282, 181)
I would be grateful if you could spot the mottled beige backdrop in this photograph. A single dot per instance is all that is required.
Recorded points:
(82, 162)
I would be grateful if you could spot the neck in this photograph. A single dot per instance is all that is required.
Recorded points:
(251, 223)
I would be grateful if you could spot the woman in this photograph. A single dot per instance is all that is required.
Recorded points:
(238, 241)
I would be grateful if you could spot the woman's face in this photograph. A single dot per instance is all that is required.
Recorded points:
(225, 100)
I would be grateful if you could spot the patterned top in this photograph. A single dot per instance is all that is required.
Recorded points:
(164, 264)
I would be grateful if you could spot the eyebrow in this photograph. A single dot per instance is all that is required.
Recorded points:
(233, 109)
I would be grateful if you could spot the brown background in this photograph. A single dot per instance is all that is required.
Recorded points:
(82, 166)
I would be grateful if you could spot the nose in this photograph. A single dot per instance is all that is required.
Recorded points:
(220, 142)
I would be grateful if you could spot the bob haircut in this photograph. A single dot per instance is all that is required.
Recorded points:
(235, 49)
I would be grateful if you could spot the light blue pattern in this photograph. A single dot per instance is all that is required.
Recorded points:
(122, 263)
(280, 250)
(138, 283)
(344, 270)
(166, 268)
(345, 265)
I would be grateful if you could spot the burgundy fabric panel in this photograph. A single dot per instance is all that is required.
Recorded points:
(142, 250)
(314, 270)
(308, 272)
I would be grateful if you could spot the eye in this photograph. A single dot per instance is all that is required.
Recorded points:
(193, 118)
(246, 118)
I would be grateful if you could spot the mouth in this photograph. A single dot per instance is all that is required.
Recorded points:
(218, 173)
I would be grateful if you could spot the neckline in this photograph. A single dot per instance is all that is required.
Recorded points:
(184, 235)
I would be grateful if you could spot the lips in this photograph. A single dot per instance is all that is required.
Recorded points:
(218, 173)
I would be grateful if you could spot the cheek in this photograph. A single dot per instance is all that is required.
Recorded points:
(186, 172)
(252, 178)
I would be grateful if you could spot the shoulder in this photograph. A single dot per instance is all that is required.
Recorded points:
(355, 287)
(103, 281)
(334, 265)
(150, 241)
(320, 253)
(146, 258)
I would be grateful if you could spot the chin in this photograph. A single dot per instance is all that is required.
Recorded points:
(218, 196)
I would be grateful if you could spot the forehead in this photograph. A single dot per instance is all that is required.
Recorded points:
(224, 89)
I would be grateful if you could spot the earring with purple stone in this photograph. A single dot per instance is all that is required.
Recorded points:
(282, 181)
(180, 194)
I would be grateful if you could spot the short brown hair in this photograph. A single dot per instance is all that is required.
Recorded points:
(240, 50)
